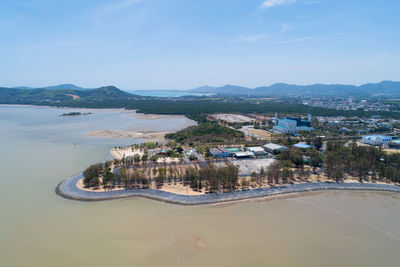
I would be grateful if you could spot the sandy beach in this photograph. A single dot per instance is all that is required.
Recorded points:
(180, 189)
(80, 185)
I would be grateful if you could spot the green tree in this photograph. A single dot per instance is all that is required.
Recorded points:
(136, 158)
(317, 143)
(92, 174)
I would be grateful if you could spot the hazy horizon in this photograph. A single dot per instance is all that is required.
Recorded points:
(187, 89)
(176, 45)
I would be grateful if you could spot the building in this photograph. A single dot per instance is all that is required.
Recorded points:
(274, 148)
(302, 145)
(376, 140)
(163, 151)
(220, 153)
(244, 155)
(190, 152)
(285, 126)
(385, 125)
(233, 149)
(395, 144)
(300, 122)
(292, 125)
(257, 150)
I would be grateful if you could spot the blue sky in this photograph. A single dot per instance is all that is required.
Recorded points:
(181, 44)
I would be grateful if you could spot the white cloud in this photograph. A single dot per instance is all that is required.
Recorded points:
(303, 39)
(109, 9)
(273, 3)
(296, 40)
(250, 38)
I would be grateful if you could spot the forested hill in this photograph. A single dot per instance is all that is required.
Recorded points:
(107, 93)
(283, 89)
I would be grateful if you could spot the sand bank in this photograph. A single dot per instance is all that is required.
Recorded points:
(147, 135)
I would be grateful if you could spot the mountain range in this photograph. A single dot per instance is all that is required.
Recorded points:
(283, 89)
(54, 87)
(65, 92)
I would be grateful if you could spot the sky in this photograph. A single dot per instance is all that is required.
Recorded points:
(183, 44)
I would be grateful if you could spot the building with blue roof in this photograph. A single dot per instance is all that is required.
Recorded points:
(292, 125)
(220, 153)
(376, 140)
(302, 145)
(395, 144)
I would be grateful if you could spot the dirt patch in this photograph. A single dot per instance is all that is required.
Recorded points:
(232, 117)
(74, 97)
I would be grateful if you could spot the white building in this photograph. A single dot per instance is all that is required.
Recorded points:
(244, 154)
(257, 150)
(376, 140)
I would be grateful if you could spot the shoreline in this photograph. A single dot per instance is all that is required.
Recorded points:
(68, 189)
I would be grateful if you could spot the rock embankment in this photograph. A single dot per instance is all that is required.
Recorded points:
(68, 189)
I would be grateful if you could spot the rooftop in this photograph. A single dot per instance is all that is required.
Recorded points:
(302, 145)
(273, 146)
(244, 154)
(256, 148)
(375, 137)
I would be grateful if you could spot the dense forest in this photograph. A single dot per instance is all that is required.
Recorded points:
(205, 132)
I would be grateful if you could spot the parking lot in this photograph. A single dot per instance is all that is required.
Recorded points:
(247, 166)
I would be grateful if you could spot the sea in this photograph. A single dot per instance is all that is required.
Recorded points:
(167, 93)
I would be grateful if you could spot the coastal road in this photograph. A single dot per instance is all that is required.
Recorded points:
(68, 189)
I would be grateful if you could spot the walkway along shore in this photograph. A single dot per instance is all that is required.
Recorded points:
(68, 189)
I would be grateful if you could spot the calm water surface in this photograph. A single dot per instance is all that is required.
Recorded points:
(38, 228)
(167, 93)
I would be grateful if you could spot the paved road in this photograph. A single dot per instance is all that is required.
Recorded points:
(186, 152)
(68, 189)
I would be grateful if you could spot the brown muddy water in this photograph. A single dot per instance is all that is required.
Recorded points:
(39, 228)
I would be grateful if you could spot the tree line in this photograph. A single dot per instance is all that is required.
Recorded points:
(211, 178)
(363, 162)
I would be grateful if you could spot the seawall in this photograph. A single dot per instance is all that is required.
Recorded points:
(69, 190)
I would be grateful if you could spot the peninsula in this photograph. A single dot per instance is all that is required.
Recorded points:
(230, 157)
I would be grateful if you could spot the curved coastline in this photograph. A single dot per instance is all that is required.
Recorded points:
(68, 189)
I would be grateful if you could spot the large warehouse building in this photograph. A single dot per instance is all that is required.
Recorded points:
(292, 125)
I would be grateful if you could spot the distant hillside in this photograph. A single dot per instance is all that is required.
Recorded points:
(283, 89)
(107, 93)
(63, 86)
(385, 88)
(224, 90)
(54, 87)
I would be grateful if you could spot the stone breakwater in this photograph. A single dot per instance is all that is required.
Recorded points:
(68, 189)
